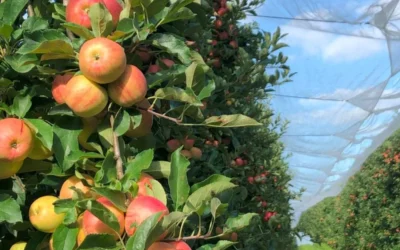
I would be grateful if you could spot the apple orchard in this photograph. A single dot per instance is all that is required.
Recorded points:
(140, 124)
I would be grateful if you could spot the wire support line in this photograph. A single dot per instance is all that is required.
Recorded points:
(311, 20)
(310, 98)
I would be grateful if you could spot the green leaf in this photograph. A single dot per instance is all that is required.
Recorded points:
(116, 197)
(209, 180)
(135, 167)
(175, 94)
(221, 245)
(79, 30)
(215, 203)
(64, 238)
(37, 240)
(44, 131)
(9, 209)
(35, 23)
(157, 191)
(159, 169)
(98, 242)
(47, 42)
(122, 122)
(205, 194)
(21, 63)
(126, 11)
(231, 121)
(22, 103)
(30, 165)
(234, 224)
(67, 206)
(177, 181)
(66, 131)
(173, 45)
(11, 10)
(184, 13)
(139, 239)
(6, 31)
(166, 225)
(5, 83)
(101, 212)
(107, 172)
(101, 20)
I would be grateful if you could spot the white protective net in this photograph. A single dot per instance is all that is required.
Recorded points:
(345, 100)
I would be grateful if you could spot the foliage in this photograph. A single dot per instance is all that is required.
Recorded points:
(365, 214)
(315, 247)
(219, 105)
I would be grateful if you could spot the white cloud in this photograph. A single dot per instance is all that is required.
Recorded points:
(338, 94)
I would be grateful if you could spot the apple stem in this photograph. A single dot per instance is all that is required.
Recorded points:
(19, 182)
(177, 121)
(31, 13)
(117, 152)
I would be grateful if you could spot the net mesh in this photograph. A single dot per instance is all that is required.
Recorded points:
(344, 101)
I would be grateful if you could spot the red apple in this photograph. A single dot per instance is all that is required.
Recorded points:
(173, 145)
(140, 209)
(77, 11)
(144, 54)
(239, 162)
(223, 35)
(264, 204)
(144, 183)
(250, 179)
(168, 62)
(233, 44)
(223, 3)
(102, 60)
(66, 192)
(180, 245)
(214, 42)
(59, 87)
(85, 97)
(222, 11)
(154, 68)
(218, 23)
(188, 143)
(146, 123)
(130, 88)
(196, 153)
(93, 225)
(161, 246)
(186, 153)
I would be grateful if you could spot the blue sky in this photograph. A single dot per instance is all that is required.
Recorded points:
(346, 63)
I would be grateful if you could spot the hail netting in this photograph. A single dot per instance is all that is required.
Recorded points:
(345, 99)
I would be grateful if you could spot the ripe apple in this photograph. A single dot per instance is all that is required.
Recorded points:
(81, 236)
(39, 150)
(168, 62)
(9, 168)
(234, 237)
(218, 23)
(146, 123)
(223, 35)
(186, 153)
(144, 54)
(59, 86)
(216, 143)
(130, 88)
(92, 225)
(144, 183)
(264, 204)
(222, 11)
(85, 97)
(102, 60)
(196, 153)
(140, 209)
(18, 246)
(42, 215)
(250, 179)
(239, 162)
(77, 11)
(90, 125)
(66, 192)
(16, 140)
(161, 246)
(188, 143)
(233, 44)
(154, 68)
(180, 245)
(173, 145)
(214, 42)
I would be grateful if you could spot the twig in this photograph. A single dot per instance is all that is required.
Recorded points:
(31, 13)
(69, 33)
(19, 182)
(195, 237)
(177, 121)
(117, 152)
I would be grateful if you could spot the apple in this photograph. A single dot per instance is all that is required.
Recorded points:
(66, 192)
(234, 237)
(39, 150)
(81, 236)
(233, 44)
(58, 88)
(102, 60)
(140, 209)
(173, 145)
(146, 123)
(42, 215)
(16, 140)
(223, 35)
(216, 143)
(144, 54)
(180, 245)
(186, 153)
(92, 225)
(161, 246)
(90, 125)
(196, 153)
(18, 246)
(218, 23)
(144, 183)
(167, 62)
(264, 204)
(77, 11)
(85, 97)
(214, 42)
(130, 88)
(250, 179)
(222, 11)
(239, 162)
(9, 168)
(223, 3)
(188, 143)
(154, 68)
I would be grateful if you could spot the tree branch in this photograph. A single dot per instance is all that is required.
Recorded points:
(177, 121)
(117, 152)
(31, 13)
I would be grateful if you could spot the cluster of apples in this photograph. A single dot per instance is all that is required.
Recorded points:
(18, 142)
(239, 162)
(43, 217)
(189, 150)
